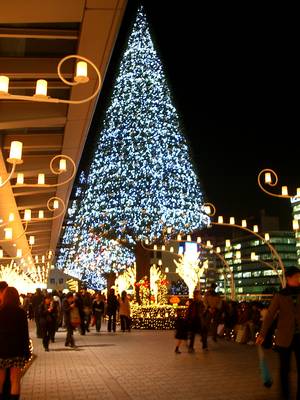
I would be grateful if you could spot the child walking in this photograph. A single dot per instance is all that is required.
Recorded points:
(181, 329)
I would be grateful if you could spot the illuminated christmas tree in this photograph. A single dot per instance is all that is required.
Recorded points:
(83, 254)
(141, 179)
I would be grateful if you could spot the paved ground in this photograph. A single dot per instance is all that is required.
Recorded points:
(142, 365)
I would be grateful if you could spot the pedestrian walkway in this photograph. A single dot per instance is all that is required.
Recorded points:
(142, 365)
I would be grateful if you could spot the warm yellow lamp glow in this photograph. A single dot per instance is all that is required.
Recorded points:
(268, 177)
(41, 179)
(155, 247)
(11, 217)
(284, 191)
(19, 253)
(188, 238)
(208, 243)
(227, 243)
(62, 164)
(220, 219)
(41, 88)
(169, 230)
(159, 262)
(179, 238)
(295, 224)
(298, 192)
(8, 233)
(253, 256)
(198, 239)
(267, 237)
(232, 221)
(81, 72)
(15, 154)
(1, 253)
(244, 223)
(55, 204)
(255, 228)
(163, 247)
(207, 209)
(171, 249)
(4, 82)
(41, 214)
(238, 254)
(27, 215)
(20, 178)
(31, 240)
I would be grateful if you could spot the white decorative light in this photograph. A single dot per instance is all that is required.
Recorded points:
(62, 164)
(4, 82)
(295, 225)
(81, 72)
(284, 191)
(41, 179)
(27, 215)
(8, 233)
(41, 214)
(267, 237)
(15, 154)
(20, 178)
(268, 177)
(41, 88)
(11, 217)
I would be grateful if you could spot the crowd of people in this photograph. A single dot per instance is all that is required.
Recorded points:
(75, 311)
(50, 311)
(248, 323)
(244, 322)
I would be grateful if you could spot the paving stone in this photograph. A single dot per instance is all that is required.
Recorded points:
(142, 365)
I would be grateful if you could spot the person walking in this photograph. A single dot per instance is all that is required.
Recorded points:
(213, 303)
(197, 321)
(68, 305)
(14, 341)
(124, 312)
(285, 305)
(98, 311)
(111, 310)
(47, 314)
(36, 301)
(181, 329)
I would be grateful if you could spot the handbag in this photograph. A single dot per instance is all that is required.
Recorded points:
(75, 317)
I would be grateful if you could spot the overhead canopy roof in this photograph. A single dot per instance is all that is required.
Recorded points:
(34, 36)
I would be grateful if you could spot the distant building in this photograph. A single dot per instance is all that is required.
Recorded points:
(58, 280)
(247, 257)
(296, 216)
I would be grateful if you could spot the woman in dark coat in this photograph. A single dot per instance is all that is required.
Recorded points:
(14, 340)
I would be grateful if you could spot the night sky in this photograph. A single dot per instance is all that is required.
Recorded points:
(232, 75)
